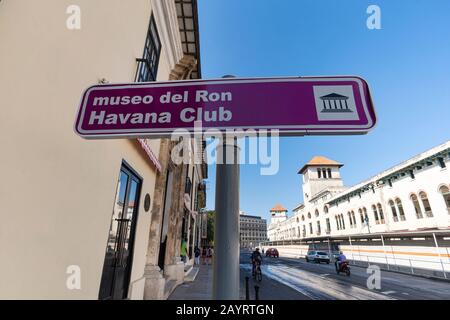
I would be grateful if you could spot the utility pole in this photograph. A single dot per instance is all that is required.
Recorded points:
(368, 226)
(226, 226)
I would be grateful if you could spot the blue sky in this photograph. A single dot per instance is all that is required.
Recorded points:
(406, 63)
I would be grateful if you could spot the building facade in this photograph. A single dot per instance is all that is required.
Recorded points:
(412, 196)
(278, 214)
(253, 230)
(97, 219)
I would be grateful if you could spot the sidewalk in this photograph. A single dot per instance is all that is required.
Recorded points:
(201, 288)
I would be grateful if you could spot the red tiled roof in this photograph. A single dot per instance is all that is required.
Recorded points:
(320, 161)
(278, 207)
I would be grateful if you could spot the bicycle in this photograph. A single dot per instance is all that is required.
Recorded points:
(257, 274)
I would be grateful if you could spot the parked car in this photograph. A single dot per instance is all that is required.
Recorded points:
(317, 256)
(272, 252)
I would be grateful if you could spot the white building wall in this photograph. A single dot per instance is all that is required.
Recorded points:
(313, 184)
(58, 190)
(428, 179)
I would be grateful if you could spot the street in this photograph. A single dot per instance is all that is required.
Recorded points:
(320, 282)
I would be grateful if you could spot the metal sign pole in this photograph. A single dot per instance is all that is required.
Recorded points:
(385, 253)
(439, 253)
(226, 227)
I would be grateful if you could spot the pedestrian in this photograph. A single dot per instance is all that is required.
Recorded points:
(183, 250)
(208, 256)
(197, 253)
(211, 255)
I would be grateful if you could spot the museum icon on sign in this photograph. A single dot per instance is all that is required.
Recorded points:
(335, 103)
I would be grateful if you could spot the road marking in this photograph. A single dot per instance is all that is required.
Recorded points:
(388, 292)
(316, 287)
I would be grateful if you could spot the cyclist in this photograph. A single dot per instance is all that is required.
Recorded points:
(256, 258)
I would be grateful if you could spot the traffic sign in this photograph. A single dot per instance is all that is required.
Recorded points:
(294, 106)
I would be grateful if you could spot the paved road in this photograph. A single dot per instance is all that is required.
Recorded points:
(269, 289)
(320, 281)
(201, 288)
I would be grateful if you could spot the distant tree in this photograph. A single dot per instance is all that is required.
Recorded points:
(201, 196)
(210, 231)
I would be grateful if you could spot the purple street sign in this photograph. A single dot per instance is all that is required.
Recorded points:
(294, 106)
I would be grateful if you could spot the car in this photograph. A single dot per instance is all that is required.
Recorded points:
(317, 256)
(272, 252)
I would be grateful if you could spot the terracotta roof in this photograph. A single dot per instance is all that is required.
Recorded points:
(278, 207)
(320, 161)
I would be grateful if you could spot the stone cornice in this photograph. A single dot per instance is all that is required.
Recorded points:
(183, 68)
(165, 14)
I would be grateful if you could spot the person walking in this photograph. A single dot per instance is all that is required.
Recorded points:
(183, 250)
(210, 255)
(197, 253)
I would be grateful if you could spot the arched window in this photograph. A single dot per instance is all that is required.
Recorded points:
(445, 191)
(380, 211)
(354, 218)
(375, 214)
(394, 211)
(338, 224)
(319, 173)
(361, 216)
(327, 221)
(342, 220)
(416, 204)
(350, 219)
(325, 209)
(366, 217)
(329, 173)
(426, 204)
(309, 215)
(297, 219)
(316, 213)
(303, 217)
(398, 202)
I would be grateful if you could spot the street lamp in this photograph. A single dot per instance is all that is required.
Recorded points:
(367, 222)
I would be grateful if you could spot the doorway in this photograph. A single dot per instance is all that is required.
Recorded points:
(119, 249)
(165, 220)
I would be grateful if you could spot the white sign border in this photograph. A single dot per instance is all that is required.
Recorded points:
(155, 133)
